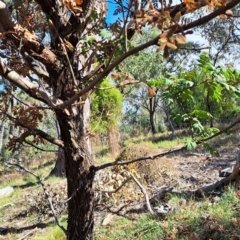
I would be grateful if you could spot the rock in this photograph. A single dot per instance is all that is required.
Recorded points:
(163, 209)
(107, 219)
(225, 172)
(194, 178)
(6, 191)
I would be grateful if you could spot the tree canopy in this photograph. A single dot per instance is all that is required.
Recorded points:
(59, 51)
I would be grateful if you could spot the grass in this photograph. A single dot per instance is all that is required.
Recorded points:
(123, 228)
(205, 219)
(160, 140)
(52, 232)
(13, 197)
(193, 220)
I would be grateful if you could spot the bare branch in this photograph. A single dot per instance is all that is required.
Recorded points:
(166, 152)
(35, 131)
(41, 149)
(67, 200)
(145, 194)
(194, 49)
(27, 86)
(139, 159)
(45, 192)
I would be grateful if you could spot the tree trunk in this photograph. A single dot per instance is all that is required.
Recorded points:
(59, 169)
(113, 141)
(151, 114)
(166, 110)
(1, 136)
(79, 173)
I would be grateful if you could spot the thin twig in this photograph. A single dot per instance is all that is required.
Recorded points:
(38, 148)
(71, 196)
(194, 49)
(66, 54)
(145, 194)
(117, 189)
(69, 64)
(45, 192)
(27, 234)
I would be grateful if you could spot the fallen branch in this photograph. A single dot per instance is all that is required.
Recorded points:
(145, 194)
(29, 233)
(230, 178)
(45, 192)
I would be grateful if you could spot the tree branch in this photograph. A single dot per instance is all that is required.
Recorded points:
(152, 42)
(145, 194)
(41, 149)
(161, 154)
(35, 131)
(45, 192)
(27, 86)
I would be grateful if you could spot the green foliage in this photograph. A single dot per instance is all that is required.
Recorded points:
(52, 233)
(204, 92)
(190, 144)
(213, 151)
(106, 107)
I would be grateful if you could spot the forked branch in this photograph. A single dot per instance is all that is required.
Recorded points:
(45, 192)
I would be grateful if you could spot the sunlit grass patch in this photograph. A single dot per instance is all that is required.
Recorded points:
(52, 232)
(123, 228)
(210, 218)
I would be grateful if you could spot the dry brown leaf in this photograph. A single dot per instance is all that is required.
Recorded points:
(161, 47)
(73, 6)
(163, 37)
(151, 94)
(172, 46)
(68, 45)
(181, 39)
(177, 16)
(229, 12)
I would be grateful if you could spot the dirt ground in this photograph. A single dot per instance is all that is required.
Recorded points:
(182, 171)
(178, 172)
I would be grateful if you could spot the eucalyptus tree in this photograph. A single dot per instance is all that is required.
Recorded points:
(71, 49)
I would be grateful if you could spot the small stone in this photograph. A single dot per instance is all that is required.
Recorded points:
(194, 177)
(225, 172)
(107, 219)
(6, 191)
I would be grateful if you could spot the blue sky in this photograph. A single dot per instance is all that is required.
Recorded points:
(110, 17)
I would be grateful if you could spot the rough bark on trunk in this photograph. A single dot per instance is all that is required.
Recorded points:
(151, 114)
(79, 173)
(1, 135)
(113, 141)
(59, 169)
(166, 110)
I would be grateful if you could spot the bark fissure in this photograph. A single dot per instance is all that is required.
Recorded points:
(79, 173)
